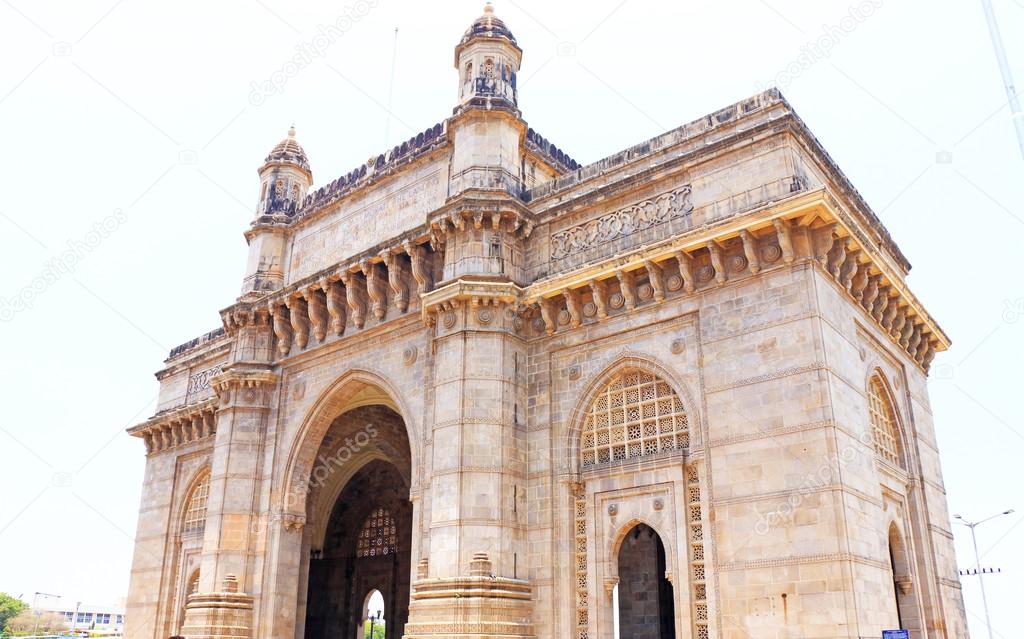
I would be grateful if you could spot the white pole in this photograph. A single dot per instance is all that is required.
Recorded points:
(615, 610)
(981, 580)
(1004, 69)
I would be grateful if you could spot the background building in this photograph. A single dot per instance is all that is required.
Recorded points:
(90, 616)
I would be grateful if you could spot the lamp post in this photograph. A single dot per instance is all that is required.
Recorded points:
(372, 619)
(977, 559)
(35, 611)
(74, 619)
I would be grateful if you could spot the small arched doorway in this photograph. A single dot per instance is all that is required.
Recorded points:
(907, 612)
(374, 621)
(645, 599)
(360, 527)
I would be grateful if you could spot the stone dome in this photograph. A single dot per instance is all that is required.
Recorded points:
(488, 26)
(289, 151)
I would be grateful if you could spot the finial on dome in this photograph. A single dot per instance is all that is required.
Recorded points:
(289, 151)
(488, 8)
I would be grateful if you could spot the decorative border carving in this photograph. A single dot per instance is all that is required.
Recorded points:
(200, 382)
(786, 372)
(621, 223)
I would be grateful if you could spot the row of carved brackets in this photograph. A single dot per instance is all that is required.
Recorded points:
(320, 308)
(840, 255)
(497, 218)
(832, 246)
(179, 427)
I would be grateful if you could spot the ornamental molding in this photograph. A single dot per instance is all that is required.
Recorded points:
(475, 293)
(243, 376)
(622, 223)
(178, 427)
(800, 560)
(807, 228)
(200, 382)
(767, 377)
(771, 432)
(783, 496)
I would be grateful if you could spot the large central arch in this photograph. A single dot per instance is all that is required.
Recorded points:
(357, 387)
(353, 457)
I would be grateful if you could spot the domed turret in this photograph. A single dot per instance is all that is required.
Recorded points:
(488, 26)
(289, 151)
(285, 178)
(488, 58)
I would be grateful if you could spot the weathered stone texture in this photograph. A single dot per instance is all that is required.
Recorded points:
(539, 374)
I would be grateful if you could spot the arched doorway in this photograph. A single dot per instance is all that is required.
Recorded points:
(907, 611)
(360, 525)
(374, 622)
(645, 600)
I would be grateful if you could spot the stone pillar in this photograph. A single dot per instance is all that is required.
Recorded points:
(225, 614)
(473, 583)
(244, 390)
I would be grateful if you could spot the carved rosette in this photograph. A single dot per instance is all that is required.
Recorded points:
(486, 300)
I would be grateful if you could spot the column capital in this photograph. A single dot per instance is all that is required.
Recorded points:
(471, 292)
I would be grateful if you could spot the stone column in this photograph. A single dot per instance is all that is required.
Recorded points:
(222, 607)
(224, 614)
(472, 574)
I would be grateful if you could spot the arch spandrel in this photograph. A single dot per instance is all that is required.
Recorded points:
(355, 388)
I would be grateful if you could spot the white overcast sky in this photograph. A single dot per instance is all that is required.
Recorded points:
(144, 108)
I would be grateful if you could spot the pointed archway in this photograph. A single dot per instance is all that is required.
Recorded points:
(645, 599)
(908, 613)
(360, 525)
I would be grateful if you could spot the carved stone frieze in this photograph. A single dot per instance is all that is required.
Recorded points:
(624, 222)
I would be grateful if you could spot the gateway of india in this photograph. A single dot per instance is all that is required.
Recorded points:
(679, 392)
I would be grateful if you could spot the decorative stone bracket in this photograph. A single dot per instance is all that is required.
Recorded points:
(497, 215)
(178, 427)
(475, 293)
(609, 585)
(905, 584)
(812, 226)
(322, 305)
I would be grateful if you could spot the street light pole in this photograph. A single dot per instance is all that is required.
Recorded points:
(1012, 97)
(372, 619)
(74, 620)
(35, 612)
(977, 561)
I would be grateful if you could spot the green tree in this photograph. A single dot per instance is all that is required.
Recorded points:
(27, 621)
(378, 630)
(9, 608)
